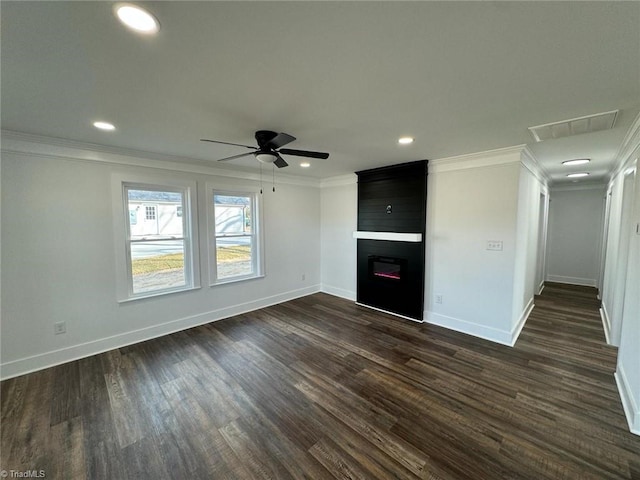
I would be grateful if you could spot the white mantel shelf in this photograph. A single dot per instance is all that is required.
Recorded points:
(391, 236)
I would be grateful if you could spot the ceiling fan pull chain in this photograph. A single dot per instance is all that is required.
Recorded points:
(260, 179)
(273, 168)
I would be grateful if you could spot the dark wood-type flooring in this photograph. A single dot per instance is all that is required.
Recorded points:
(320, 388)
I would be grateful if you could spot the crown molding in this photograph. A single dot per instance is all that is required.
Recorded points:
(339, 180)
(530, 161)
(499, 156)
(19, 143)
(629, 148)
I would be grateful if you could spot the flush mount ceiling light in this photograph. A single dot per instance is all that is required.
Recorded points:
(405, 140)
(104, 126)
(577, 161)
(305, 164)
(577, 175)
(137, 18)
(574, 126)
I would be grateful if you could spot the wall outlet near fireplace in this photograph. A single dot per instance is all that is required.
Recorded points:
(439, 298)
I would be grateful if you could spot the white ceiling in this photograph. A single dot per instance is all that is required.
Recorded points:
(348, 78)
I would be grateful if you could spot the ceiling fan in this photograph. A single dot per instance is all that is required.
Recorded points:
(269, 148)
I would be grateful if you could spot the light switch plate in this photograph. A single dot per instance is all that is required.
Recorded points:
(494, 245)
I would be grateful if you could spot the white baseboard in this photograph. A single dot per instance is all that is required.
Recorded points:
(631, 409)
(49, 359)
(503, 337)
(587, 282)
(606, 322)
(540, 288)
(338, 292)
(517, 328)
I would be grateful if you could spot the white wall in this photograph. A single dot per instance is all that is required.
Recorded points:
(58, 260)
(621, 281)
(628, 369)
(531, 185)
(467, 206)
(339, 219)
(575, 231)
(621, 197)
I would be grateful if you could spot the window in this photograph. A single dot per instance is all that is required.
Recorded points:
(157, 231)
(234, 245)
(150, 212)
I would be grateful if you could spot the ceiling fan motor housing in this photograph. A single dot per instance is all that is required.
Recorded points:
(263, 137)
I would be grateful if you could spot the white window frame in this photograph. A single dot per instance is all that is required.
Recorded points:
(257, 235)
(121, 183)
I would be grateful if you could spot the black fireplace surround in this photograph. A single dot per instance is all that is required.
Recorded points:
(391, 273)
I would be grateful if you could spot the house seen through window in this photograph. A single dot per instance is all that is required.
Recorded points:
(157, 246)
(234, 238)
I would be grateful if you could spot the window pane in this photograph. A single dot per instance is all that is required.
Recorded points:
(157, 244)
(154, 213)
(233, 214)
(234, 255)
(157, 265)
(150, 212)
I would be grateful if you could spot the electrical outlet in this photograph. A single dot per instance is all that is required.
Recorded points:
(59, 327)
(494, 245)
(438, 298)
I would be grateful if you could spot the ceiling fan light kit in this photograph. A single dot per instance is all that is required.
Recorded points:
(265, 157)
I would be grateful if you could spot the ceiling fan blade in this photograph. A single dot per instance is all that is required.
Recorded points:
(280, 163)
(227, 143)
(226, 159)
(280, 140)
(303, 153)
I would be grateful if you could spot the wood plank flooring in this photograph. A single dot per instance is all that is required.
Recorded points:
(320, 388)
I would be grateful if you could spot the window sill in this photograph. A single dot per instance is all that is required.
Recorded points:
(235, 280)
(160, 293)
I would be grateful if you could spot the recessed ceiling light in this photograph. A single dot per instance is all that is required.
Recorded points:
(405, 140)
(305, 164)
(576, 175)
(104, 126)
(579, 161)
(137, 18)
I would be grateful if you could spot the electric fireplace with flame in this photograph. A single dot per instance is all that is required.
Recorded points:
(387, 268)
(391, 276)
